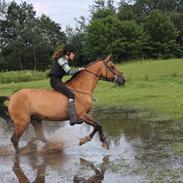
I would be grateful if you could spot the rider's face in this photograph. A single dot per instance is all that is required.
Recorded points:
(72, 56)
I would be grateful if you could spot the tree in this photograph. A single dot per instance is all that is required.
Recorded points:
(3, 8)
(13, 29)
(76, 37)
(177, 18)
(162, 34)
(124, 39)
(46, 36)
(144, 7)
(126, 11)
(51, 31)
(171, 9)
(101, 9)
(27, 41)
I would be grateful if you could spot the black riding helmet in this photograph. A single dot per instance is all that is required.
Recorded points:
(69, 48)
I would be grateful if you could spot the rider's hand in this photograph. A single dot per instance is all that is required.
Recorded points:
(81, 68)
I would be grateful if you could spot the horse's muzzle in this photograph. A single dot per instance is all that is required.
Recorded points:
(120, 80)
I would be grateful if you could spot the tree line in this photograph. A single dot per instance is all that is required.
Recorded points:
(131, 30)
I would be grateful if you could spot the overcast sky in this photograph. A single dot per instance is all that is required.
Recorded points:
(63, 12)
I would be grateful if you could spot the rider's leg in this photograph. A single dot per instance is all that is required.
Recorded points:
(60, 87)
(72, 112)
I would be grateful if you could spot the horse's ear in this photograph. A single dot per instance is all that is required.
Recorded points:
(108, 58)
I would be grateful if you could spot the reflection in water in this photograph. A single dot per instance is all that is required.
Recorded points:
(38, 165)
(40, 177)
(41, 172)
(99, 174)
(142, 149)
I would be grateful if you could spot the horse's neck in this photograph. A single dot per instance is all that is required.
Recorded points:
(86, 81)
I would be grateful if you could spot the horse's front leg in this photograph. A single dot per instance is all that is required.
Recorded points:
(97, 127)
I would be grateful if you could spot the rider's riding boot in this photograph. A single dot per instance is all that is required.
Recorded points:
(72, 112)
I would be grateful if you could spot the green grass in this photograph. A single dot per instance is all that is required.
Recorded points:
(156, 86)
(20, 76)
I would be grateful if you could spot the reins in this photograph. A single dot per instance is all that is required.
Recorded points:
(92, 73)
(86, 93)
(82, 92)
(99, 76)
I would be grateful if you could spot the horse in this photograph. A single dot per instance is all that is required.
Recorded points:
(35, 105)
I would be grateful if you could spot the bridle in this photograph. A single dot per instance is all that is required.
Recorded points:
(108, 69)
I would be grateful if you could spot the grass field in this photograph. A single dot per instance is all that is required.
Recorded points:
(155, 86)
(25, 75)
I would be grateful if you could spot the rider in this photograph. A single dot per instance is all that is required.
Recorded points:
(60, 67)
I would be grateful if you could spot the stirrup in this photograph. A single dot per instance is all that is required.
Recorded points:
(76, 122)
(72, 123)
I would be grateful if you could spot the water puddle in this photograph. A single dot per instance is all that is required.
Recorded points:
(142, 149)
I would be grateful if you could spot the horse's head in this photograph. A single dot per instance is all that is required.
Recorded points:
(111, 73)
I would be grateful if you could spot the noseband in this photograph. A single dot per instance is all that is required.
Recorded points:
(108, 69)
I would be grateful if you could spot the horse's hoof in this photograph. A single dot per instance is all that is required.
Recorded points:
(84, 140)
(105, 145)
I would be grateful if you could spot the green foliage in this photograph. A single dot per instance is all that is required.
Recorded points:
(126, 11)
(21, 76)
(163, 34)
(128, 30)
(27, 41)
(3, 7)
(142, 29)
(144, 7)
(77, 38)
(177, 18)
(101, 9)
(123, 39)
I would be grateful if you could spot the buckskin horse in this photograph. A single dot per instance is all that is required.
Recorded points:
(35, 105)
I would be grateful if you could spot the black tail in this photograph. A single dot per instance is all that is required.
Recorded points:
(4, 109)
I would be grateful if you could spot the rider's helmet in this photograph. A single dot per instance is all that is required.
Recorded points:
(68, 48)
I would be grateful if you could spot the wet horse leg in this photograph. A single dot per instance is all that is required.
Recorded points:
(19, 129)
(38, 127)
(88, 119)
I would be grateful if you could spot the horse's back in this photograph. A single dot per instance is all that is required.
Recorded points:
(45, 103)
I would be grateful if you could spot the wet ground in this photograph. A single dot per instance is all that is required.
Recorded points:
(142, 149)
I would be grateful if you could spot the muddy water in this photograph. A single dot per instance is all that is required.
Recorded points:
(142, 149)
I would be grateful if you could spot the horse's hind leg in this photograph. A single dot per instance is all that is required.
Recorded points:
(38, 127)
(19, 129)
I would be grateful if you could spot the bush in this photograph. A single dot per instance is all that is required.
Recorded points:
(21, 76)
